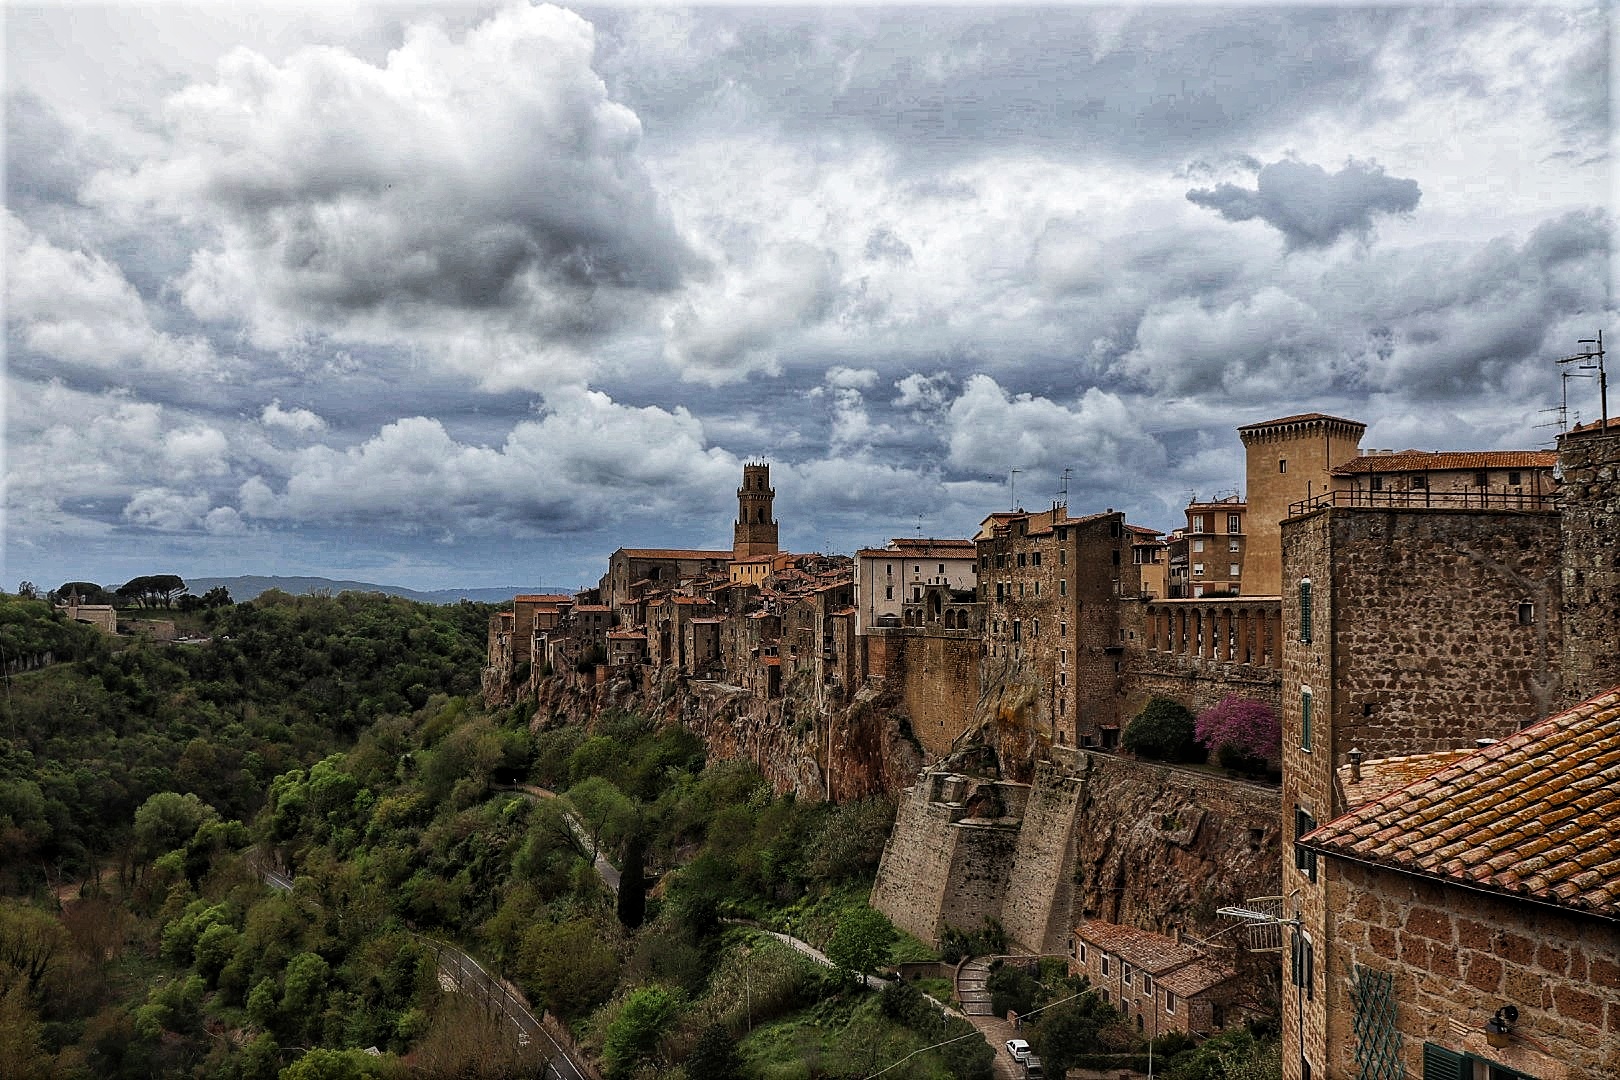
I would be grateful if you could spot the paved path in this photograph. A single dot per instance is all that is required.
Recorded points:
(975, 999)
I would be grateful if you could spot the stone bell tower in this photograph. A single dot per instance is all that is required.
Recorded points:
(755, 529)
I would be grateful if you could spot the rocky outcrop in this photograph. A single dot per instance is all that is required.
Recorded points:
(833, 751)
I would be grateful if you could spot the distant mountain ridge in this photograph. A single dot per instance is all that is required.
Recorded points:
(249, 586)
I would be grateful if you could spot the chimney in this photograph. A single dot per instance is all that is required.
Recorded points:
(1355, 765)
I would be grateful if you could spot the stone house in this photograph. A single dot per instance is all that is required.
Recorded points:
(1487, 477)
(1053, 588)
(1210, 548)
(886, 578)
(1161, 983)
(1491, 883)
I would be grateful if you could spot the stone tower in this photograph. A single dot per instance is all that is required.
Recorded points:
(1287, 460)
(755, 529)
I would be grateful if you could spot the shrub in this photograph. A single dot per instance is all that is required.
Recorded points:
(1165, 731)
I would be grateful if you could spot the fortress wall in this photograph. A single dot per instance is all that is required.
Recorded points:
(1040, 887)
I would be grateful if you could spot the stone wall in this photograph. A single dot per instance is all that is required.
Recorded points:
(1457, 956)
(939, 683)
(1098, 837)
(1197, 682)
(950, 854)
(1590, 503)
(1037, 912)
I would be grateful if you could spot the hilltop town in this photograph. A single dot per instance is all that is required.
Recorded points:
(1440, 864)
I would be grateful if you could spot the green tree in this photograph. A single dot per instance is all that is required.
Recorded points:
(861, 942)
(167, 820)
(320, 1064)
(634, 1035)
(1164, 730)
(570, 964)
(715, 1056)
(603, 809)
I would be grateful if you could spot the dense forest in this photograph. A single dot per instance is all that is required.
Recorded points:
(245, 858)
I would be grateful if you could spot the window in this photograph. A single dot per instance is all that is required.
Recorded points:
(1063, 657)
(1063, 556)
(1419, 483)
(1169, 1003)
(1001, 559)
(1018, 630)
(1282, 465)
(915, 569)
(1378, 1041)
(1305, 611)
(1063, 629)
(1198, 569)
(1527, 613)
(1375, 483)
(1081, 955)
(1035, 558)
(942, 568)
(1020, 590)
(888, 592)
(1037, 588)
(1482, 479)
(1063, 586)
(888, 568)
(1147, 984)
(1305, 702)
(1020, 558)
(916, 594)
(1234, 544)
(1105, 960)
(1304, 858)
(1513, 479)
(1234, 523)
(1125, 972)
(1198, 545)
(1197, 523)
(1233, 570)
(1035, 628)
(1302, 964)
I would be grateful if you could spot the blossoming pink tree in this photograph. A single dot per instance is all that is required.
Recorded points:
(1238, 727)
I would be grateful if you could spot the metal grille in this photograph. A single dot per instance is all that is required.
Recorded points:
(1378, 1043)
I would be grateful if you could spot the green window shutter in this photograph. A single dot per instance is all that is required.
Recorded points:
(1305, 611)
(1442, 1064)
(1305, 720)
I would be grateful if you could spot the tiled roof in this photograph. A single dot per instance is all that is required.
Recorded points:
(1380, 776)
(1535, 816)
(674, 553)
(1439, 460)
(1195, 978)
(542, 598)
(1153, 953)
(1302, 418)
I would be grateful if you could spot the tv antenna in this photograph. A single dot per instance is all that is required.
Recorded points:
(1012, 487)
(1063, 490)
(1583, 361)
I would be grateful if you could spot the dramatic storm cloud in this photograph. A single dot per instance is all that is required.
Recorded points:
(1310, 206)
(448, 295)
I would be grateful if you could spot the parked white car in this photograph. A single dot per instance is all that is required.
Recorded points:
(1019, 1049)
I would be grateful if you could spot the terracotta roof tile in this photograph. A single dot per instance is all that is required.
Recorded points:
(1153, 953)
(1536, 815)
(1435, 461)
(674, 553)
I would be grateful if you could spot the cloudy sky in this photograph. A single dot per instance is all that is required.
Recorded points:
(472, 295)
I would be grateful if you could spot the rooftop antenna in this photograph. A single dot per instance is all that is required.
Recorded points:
(1583, 360)
(1012, 486)
(1063, 492)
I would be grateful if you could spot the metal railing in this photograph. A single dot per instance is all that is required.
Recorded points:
(1425, 499)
